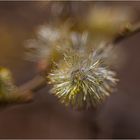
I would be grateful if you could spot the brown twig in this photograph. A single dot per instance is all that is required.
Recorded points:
(126, 33)
(26, 90)
(35, 84)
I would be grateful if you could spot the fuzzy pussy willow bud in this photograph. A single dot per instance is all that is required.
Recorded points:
(82, 81)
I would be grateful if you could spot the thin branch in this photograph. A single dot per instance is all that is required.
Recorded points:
(25, 93)
(26, 90)
(126, 33)
(38, 82)
(35, 84)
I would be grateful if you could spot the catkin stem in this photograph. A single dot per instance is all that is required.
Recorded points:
(38, 82)
(126, 33)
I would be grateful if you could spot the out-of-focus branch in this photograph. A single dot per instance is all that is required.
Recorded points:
(39, 82)
(126, 33)
(25, 92)
(35, 84)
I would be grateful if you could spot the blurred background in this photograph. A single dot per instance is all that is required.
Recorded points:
(45, 117)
